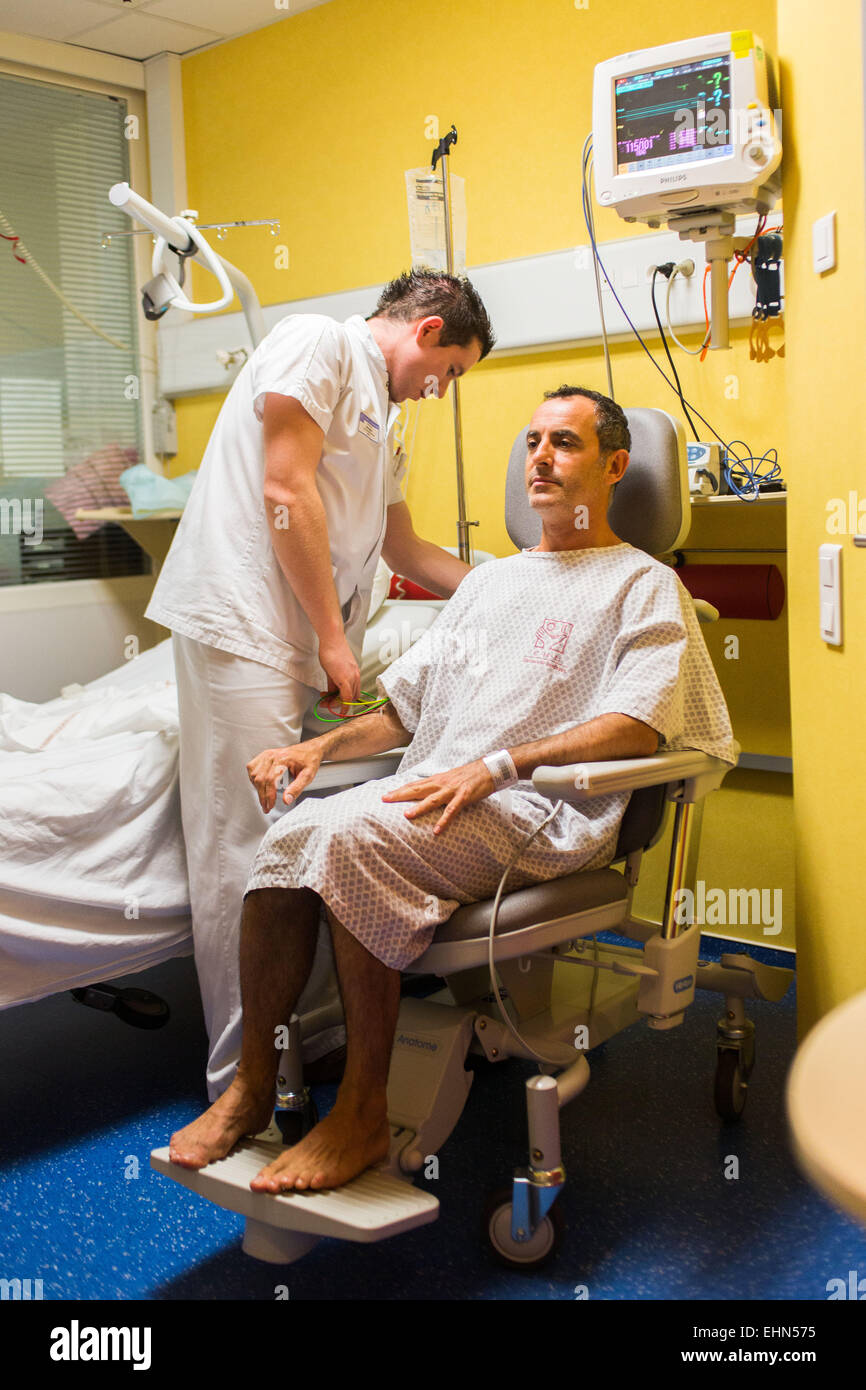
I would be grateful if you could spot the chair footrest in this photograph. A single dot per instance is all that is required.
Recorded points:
(371, 1207)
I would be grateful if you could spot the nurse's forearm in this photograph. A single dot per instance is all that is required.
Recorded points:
(299, 536)
(433, 568)
(608, 736)
(358, 738)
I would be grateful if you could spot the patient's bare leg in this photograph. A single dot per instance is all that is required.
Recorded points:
(279, 930)
(355, 1134)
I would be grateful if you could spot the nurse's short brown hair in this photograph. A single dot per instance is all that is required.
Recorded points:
(417, 293)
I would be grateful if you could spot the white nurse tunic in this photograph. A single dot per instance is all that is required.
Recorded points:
(221, 583)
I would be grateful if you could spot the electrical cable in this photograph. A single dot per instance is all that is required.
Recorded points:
(548, 1061)
(740, 258)
(625, 314)
(589, 218)
(692, 352)
(670, 359)
(18, 245)
(750, 478)
(367, 706)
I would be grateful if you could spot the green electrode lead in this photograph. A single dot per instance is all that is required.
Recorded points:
(370, 703)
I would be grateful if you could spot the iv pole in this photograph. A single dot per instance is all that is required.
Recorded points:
(464, 545)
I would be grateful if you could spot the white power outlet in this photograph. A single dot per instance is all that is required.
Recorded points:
(164, 428)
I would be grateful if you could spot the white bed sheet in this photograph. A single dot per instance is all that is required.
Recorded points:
(93, 880)
(93, 877)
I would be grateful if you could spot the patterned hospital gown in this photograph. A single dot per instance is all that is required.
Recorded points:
(528, 647)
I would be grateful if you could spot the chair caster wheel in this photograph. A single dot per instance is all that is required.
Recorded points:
(294, 1124)
(539, 1250)
(137, 1007)
(731, 1088)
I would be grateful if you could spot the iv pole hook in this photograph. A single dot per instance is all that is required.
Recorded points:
(444, 145)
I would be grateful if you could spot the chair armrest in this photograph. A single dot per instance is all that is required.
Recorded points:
(704, 611)
(577, 782)
(352, 770)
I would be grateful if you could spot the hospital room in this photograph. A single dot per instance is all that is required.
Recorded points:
(431, 760)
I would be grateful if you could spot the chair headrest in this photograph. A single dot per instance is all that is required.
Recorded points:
(651, 507)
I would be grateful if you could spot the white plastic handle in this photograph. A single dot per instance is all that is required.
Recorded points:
(209, 259)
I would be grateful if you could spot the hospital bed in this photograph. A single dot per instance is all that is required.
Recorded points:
(562, 991)
(92, 871)
(93, 878)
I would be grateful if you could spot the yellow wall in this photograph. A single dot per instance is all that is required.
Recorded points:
(314, 121)
(821, 69)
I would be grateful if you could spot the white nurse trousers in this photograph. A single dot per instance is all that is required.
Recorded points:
(231, 709)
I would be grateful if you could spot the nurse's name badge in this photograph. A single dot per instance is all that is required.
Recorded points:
(369, 428)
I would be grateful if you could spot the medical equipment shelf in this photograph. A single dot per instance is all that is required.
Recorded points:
(763, 497)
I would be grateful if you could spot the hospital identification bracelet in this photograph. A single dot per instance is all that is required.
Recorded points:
(501, 768)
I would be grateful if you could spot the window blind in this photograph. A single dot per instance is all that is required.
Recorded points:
(66, 394)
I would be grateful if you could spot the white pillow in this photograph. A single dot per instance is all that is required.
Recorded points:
(383, 576)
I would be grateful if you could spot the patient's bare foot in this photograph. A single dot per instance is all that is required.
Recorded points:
(241, 1109)
(340, 1147)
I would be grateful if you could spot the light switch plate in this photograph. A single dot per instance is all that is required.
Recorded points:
(830, 593)
(824, 243)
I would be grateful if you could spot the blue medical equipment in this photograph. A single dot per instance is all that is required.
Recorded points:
(541, 930)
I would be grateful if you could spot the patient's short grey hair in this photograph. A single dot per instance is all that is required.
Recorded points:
(611, 425)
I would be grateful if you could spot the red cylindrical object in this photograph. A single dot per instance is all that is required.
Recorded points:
(738, 591)
(406, 588)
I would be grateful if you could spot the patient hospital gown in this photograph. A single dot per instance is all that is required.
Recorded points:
(527, 648)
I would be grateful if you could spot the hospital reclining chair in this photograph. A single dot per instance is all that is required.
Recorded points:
(561, 995)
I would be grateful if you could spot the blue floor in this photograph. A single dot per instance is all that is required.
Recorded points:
(649, 1211)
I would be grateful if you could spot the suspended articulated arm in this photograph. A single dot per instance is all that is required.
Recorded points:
(183, 237)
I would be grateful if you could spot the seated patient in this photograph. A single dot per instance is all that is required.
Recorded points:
(580, 649)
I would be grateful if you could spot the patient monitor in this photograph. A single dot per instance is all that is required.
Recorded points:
(687, 133)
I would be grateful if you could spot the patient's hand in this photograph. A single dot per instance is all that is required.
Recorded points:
(453, 790)
(301, 760)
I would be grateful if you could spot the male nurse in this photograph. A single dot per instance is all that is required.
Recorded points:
(267, 584)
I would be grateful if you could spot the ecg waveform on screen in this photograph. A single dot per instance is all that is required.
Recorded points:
(672, 114)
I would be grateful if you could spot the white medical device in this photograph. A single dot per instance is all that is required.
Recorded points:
(705, 469)
(687, 134)
(164, 291)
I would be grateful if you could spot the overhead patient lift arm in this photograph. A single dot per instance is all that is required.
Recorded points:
(180, 235)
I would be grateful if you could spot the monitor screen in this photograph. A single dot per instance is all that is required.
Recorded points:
(673, 115)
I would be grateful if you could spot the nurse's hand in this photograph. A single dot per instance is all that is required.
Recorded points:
(338, 662)
(455, 789)
(300, 760)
